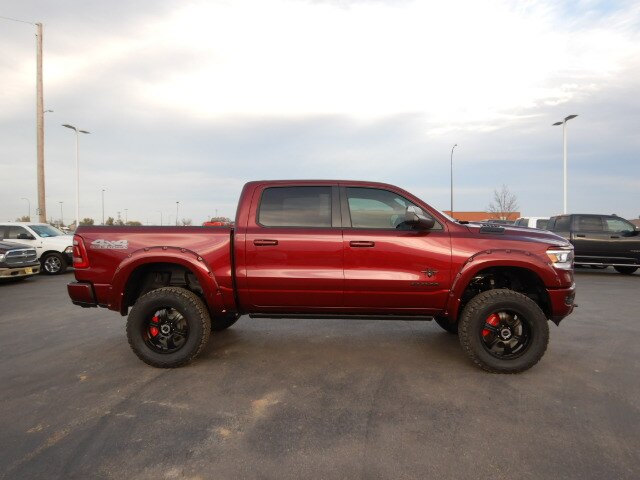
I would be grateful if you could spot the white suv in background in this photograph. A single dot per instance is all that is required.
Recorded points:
(54, 247)
(532, 222)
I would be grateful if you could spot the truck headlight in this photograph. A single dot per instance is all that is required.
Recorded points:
(561, 258)
(69, 250)
(1, 257)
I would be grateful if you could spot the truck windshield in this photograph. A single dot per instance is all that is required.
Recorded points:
(46, 231)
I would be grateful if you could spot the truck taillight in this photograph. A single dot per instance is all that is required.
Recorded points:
(80, 257)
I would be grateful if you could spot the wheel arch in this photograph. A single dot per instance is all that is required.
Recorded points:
(522, 272)
(151, 268)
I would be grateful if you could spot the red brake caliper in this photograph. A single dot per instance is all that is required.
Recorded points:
(154, 330)
(494, 321)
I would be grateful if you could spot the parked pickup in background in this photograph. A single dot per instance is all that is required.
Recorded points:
(53, 246)
(600, 240)
(327, 249)
(17, 262)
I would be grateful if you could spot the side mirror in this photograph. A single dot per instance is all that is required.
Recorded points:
(416, 217)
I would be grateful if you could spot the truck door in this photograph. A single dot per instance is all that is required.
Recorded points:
(294, 249)
(590, 238)
(624, 240)
(389, 266)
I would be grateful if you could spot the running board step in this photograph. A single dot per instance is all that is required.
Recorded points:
(414, 318)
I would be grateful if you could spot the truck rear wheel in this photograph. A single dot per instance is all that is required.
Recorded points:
(168, 327)
(503, 331)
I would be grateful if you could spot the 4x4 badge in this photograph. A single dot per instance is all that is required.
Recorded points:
(429, 272)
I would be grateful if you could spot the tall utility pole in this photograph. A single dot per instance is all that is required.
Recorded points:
(452, 178)
(564, 159)
(42, 207)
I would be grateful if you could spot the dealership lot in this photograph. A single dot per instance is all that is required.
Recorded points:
(316, 398)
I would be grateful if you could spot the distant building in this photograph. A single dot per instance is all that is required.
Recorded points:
(479, 216)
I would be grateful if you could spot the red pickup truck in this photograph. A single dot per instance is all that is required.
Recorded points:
(327, 249)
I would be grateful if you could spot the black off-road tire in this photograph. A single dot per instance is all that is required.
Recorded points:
(223, 322)
(447, 326)
(474, 321)
(625, 270)
(53, 263)
(194, 314)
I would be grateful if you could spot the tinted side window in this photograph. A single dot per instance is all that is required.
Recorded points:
(617, 225)
(522, 222)
(375, 208)
(561, 224)
(541, 224)
(295, 207)
(14, 232)
(589, 223)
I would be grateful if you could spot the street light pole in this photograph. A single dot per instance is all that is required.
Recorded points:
(452, 178)
(126, 216)
(77, 170)
(177, 205)
(61, 216)
(160, 217)
(29, 203)
(564, 157)
(103, 206)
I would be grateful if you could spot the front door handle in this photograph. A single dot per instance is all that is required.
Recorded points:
(614, 236)
(361, 244)
(580, 235)
(263, 242)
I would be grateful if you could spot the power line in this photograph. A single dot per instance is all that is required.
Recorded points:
(16, 20)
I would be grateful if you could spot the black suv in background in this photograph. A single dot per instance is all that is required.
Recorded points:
(600, 240)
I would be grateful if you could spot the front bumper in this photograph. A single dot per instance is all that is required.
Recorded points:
(562, 302)
(19, 272)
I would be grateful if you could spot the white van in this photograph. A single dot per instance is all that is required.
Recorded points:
(533, 222)
(54, 247)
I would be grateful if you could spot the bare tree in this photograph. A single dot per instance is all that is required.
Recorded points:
(504, 204)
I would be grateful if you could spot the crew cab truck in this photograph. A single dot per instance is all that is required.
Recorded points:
(600, 241)
(326, 249)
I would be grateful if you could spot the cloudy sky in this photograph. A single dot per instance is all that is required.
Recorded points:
(188, 100)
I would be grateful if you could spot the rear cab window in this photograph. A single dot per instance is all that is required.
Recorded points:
(589, 223)
(300, 206)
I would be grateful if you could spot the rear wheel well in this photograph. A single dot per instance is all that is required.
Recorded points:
(157, 275)
(516, 279)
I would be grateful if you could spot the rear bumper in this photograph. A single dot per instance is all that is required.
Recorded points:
(81, 293)
(562, 302)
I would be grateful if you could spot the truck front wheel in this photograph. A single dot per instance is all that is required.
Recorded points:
(503, 331)
(168, 327)
(53, 263)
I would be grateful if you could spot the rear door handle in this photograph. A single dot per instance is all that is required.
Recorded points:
(614, 236)
(361, 244)
(580, 235)
(263, 242)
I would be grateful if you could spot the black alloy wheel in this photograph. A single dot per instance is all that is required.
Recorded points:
(503, 331)
(168, 327)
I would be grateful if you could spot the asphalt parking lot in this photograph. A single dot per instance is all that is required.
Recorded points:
(280, 399)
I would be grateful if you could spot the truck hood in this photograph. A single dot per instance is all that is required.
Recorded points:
(61, 242)
(5, 247)
(524, 234)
